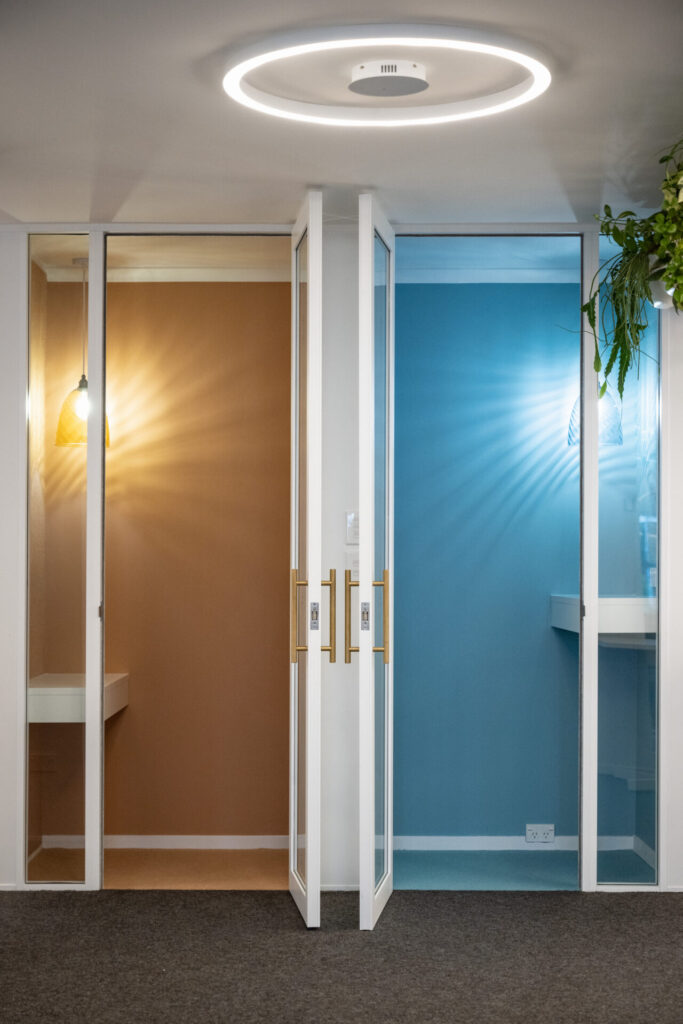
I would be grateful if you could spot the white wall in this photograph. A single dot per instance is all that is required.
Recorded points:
(340, 493)
(13, 390)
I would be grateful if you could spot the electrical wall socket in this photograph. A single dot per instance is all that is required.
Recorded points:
(540, 833)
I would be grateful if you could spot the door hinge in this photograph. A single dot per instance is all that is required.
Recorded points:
(100, 610)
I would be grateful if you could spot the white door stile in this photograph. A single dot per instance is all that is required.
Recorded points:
(373, 899)
(94, 566)
(306, 893)
(588, 652)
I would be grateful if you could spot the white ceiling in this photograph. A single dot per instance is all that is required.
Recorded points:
(112, 110)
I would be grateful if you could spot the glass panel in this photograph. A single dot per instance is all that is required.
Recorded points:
(56, 558)
(487, 558)
(381, 270)
(197, 540)
(627, 654)
(300, 669)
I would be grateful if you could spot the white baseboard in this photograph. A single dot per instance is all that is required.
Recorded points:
(564, 843)
(481, 843)
(118, 842)
(63, 843)
(330, 887)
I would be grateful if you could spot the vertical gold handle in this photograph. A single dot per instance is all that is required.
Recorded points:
(332, 646)
(384, 649)
(294, 646)
(348, 649)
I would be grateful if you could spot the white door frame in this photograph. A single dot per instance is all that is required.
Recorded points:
(372, 222)
(668, 771)
(14, 316)
(13, 545)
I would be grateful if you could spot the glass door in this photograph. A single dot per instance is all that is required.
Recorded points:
(64, 633)
(375, 604)
(305, 579)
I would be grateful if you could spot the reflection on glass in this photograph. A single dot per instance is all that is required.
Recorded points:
(300, 669)
(487, 543)
(381, 262)
(56, 565)
(627, 664)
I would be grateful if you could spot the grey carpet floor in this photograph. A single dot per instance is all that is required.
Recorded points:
(434, 958)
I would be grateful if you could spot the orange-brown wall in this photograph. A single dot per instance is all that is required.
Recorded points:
(197, 541)
(196, 555)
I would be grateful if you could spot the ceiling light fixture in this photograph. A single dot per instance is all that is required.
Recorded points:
(392, 40)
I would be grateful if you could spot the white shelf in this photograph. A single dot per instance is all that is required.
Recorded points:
(60, 696)
(617, 616)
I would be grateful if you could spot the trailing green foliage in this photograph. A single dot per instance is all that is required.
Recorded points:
(651, 250)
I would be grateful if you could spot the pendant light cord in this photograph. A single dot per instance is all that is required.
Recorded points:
(83, 323)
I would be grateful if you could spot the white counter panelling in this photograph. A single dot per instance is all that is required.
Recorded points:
(60, 696)
(616, 615)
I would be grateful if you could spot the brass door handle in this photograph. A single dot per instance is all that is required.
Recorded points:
(384, 649)
(331, 648)
(294, 646)
(348, 649)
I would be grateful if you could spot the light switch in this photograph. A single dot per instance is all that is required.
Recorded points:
(352, 528)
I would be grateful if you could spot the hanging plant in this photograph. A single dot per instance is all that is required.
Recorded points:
(650, 261)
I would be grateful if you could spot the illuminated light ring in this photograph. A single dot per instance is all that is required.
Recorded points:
(389, 38)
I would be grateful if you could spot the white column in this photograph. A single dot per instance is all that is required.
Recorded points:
(340, 494)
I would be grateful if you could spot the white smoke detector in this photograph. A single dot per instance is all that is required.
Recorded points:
(388, 78)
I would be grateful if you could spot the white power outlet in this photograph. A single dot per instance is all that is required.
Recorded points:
(540, 833)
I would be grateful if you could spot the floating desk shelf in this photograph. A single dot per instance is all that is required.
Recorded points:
(60, 696)
(622, 621)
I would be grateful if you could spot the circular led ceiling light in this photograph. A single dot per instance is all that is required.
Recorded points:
(394, 43)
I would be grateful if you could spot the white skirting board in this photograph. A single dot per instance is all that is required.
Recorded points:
(565, 843)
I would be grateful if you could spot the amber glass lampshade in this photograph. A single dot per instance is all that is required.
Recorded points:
(72, 428)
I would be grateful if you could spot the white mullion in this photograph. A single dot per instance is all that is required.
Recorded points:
(589, 582)
(667, 717)
(94, 565)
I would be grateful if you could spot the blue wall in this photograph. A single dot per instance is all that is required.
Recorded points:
(487, 527)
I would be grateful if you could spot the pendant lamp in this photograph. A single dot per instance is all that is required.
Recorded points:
(72, 427)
